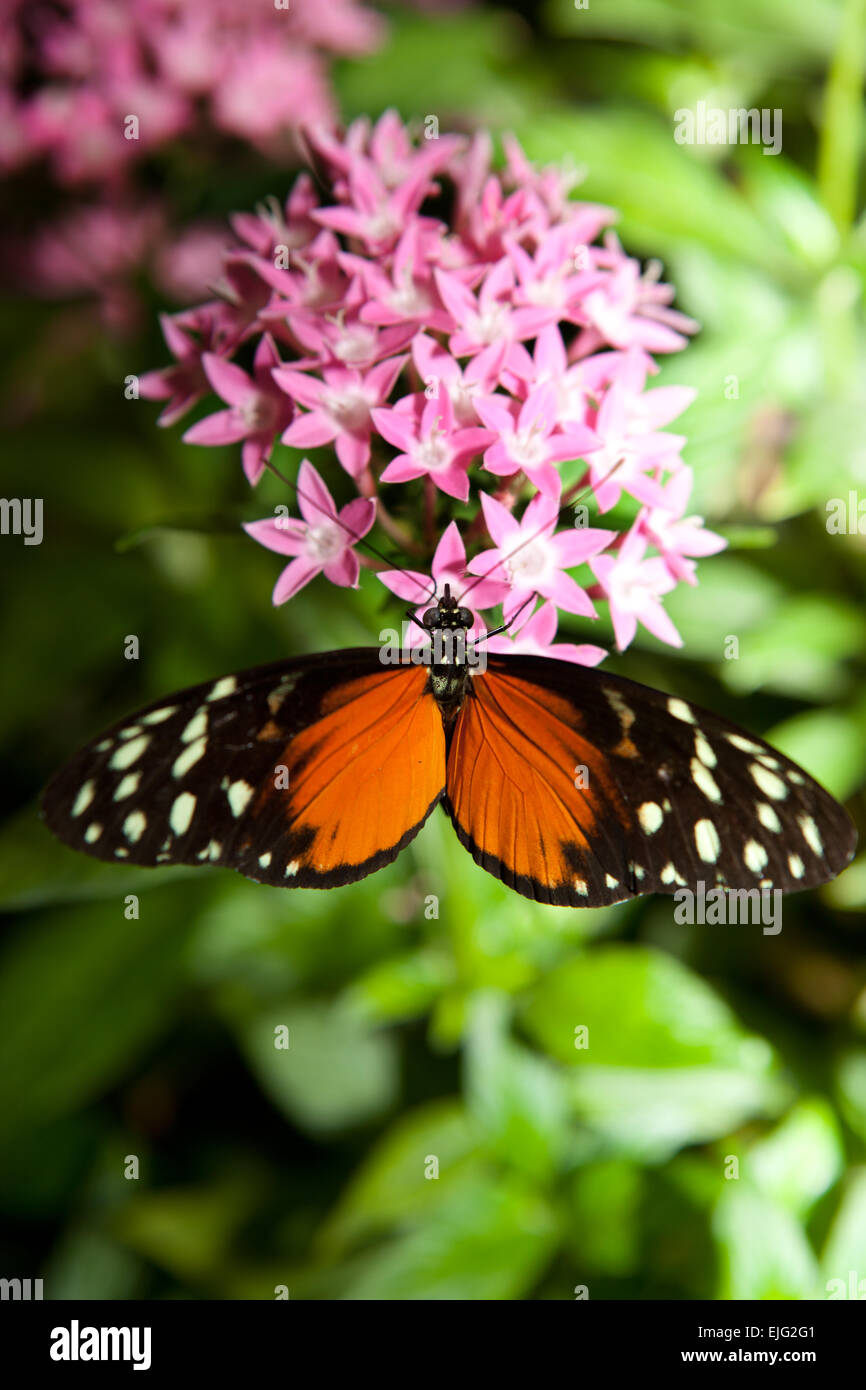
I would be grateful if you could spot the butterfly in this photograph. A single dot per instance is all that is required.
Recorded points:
(571, 785)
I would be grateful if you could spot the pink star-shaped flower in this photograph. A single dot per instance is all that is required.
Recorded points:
(430, 444)
(338, 407)
(257, 412)
(321, 543)
(535, 638)
(528, 439)
(448, 567)
(677, 535)
(633, 587)
(532, 558)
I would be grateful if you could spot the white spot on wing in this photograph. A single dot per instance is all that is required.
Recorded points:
(157, 716)
(704, 751)
(189, 757)
(680, 710)
(93, 832)
(84, 798)
(182, 809)
(768, 782)
(127, 785)
(129, 753)
(239, 794)
(196, 727)
(707, 841)
(796, 865)
(811, 834)
(134, 826)
(745, 745)
(755, 857)
(650, 815)
(704, 780)
(768, 818)
(227, 686)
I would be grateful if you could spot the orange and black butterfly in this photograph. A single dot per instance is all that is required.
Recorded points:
(569, 784)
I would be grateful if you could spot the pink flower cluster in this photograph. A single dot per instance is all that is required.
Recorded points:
(91, 90)
(73, 71)
(465, 347)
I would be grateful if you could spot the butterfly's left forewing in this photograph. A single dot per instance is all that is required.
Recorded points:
(575, 786)
(310, 773)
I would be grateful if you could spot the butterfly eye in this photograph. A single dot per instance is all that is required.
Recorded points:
(465, 617)
(430, 618)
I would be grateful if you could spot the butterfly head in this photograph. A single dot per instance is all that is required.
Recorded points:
(447, 615)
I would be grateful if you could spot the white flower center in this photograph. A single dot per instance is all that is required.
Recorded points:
(491, 323)
(259, 412)
(526, 447)
(409, 298)
(632, 589)
(434, 452)
(381, 225)
(462, 394)
(357, 344)
(349, 409)
(527, 565)
(546, 293)
(324, 542)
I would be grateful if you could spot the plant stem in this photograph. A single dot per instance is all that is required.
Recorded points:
(839, 148)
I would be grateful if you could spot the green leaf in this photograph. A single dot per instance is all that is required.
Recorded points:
(775, 657)
(763, 1252)
(641, 1008)
(668, 196)
(188, 1230)
(413, 1166)
(732, 598)
(603, 1216)
(36, 870)
(519, 1099)
(844, 1253)
(336, 1071)
(828, 743)
(851, 1089)
(662, 1061)
(403, 987)
(489, 1239)
(82, 993)
(801, 1159)
(431, 62)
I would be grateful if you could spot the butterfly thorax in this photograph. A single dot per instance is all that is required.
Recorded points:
(451, 654)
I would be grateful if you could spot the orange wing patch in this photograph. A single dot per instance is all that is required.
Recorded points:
(361, 780)
(514, 791)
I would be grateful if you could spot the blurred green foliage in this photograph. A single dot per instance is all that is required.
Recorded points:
(433, 1129)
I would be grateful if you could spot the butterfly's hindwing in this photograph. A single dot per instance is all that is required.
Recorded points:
(576, 786)
(281, 772)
